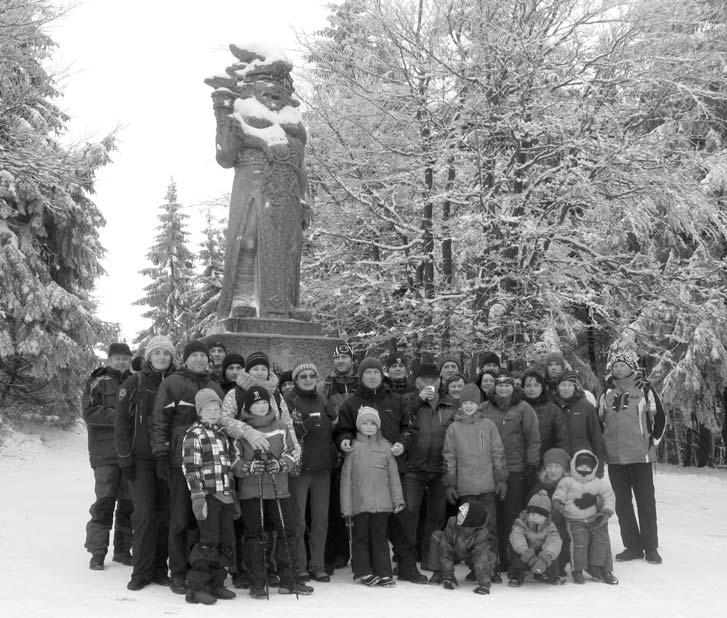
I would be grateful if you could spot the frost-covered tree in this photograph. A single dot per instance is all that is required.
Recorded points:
(49, 247)
(171, 273)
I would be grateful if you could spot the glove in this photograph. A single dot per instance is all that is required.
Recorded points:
(501, 489)
(557, 506)
(539, 566)
(585, 501)
(272, 466)
(346, 446)
(128, 473)
(163, 468)
(257, 467)
(601, 519)
(397, 449)
(451, 495)
(199, 506)
(398, 508)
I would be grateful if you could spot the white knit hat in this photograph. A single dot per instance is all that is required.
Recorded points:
(158, 342)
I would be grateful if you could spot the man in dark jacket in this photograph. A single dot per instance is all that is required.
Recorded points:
(112, 492)
(431, 414)
(174, 412)
(397, 377)
(132, 433)
(395, 428)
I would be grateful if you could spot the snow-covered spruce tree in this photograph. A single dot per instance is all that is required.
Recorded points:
(171, 273)
(49, 247)
(204, 292)
(570, 149)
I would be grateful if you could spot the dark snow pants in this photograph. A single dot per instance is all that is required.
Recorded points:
(337, 536)
(317, 484)
(112, 494)
(150, 521)
(369, 545)
(419, 487)
(181, 522)
(508, 511)
(636, 479)
(215, 549)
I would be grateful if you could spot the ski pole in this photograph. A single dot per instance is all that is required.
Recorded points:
(263, 544)
(285, 536)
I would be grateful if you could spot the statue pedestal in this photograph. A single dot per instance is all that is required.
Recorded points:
(286, 342)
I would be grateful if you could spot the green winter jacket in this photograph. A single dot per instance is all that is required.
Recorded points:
(474, 457)
(526, 542)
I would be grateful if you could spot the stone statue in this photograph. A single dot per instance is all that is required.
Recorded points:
(260, 134)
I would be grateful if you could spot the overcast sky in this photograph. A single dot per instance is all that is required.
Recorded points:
(138, 66)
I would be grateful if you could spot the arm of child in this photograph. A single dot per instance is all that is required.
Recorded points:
(551, 545)
(519, 542)
(192, 462)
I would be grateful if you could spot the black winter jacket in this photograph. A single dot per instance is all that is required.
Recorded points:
(584, 430)
(174, 412)
(425, 455)
(315, 435)
(99, 409)
(553, 428)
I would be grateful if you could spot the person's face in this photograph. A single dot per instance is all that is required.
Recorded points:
(233, 370)
(261, 372)
(306, 380)
(621, 370)
(197, 362)
(554, 369)
(160, 359)
(448, 370)
(469, 407)
(286, 387)
(423, 382)
(397, 371)
(260, 408)
(504, 389)
(455, 388)
(368, 427)
(120, 362)
(532, 388)
(539, 356)
(493, 368)
(566, 389)
(342, 363)
(554, 471)
(536, 519)
(371, 378)
(217, 355)
(211, 412)
(487, 383)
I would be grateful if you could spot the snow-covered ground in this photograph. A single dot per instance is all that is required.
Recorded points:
(46, 487)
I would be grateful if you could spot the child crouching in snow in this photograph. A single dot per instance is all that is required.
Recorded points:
(534, 543)
(465, 537)
(370, 491)
(587, 502)
(207, 465)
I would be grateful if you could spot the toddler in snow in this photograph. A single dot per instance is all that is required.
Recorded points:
(370, 491)
(207, 466)
(586, 502)
(534, 543)
(465, 537)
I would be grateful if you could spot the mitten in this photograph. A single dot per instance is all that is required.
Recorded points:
(257, 467)
(128, 473)
(163, 468)
(272, 466)
(285, 464)
(398, 508)
(449, 582)
(528, 557)
(539, 566)
(451, 494)
(501, 489)
(199, 506)
(586, 501)
(241, 468)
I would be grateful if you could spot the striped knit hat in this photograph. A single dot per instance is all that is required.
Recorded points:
(159, 342)
(303, 367)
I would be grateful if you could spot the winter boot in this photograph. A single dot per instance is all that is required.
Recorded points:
(295, 587)
(629, 554)
(652, 556)
(302, 576)
(241, 580)
(257, 591)
(96, 563)
(122, 557)
(483, 589)
(412, 574)
(436, 579)
(515, 581)
(471, 577)
(449, 582)
(136, 583)
(178, 585)
(221, 592)
(161, 578)
(318, 575)
(578, 577)
(369, 580)
(495, 577)
(200, 596)
(386, 582)
(609, 578)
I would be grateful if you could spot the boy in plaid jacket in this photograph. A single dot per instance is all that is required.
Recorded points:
(207, 458)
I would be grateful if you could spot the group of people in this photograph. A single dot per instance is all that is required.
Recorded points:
(224, 467)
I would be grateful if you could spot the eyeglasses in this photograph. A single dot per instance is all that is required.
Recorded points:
(307, 376)
(505, 380)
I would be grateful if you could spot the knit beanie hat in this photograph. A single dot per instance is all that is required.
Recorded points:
(344, 349)
(555, 357)
(370, 363)
(626, 356)
(470, 393)
(159, 342)
(232, 359)
(196, 345)
(366, 413)
(448, 358)
(217, 344)
(472, 515)
(303, 367)
(286, 376)
(427, 370)
(568, 376)
(489, 357)
(119, 348)
(253, 395)
(557, 456)
(205, 395)
(540, 503)
(393, 359)
(257, 358)
(541, 346)
(585, 459)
